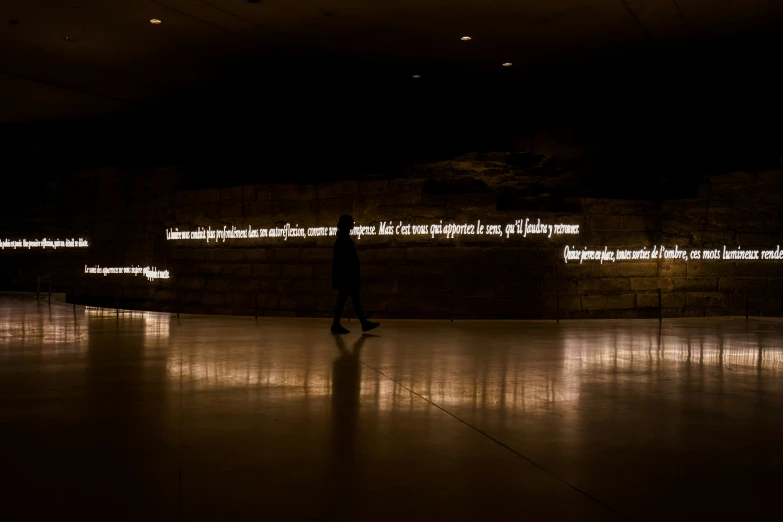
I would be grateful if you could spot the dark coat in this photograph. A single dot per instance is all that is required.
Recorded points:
(345, 267)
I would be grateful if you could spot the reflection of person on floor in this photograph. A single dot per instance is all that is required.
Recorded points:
(345, 277)
(346, 377)
(346, 388)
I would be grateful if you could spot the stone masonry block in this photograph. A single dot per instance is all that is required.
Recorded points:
(297, 271)
(710, 268)
(739, 284)
(322, 271)
(759, 268)
(640, 313)
(647, 300)
(291, 192)
(331, 208)
(308, 286)
(380, 287)
(761, 241)
(248, 193)
(266, 270)
(188, 296)
(192, 283)
(775, 286)
(743, 177)
(389, 255)
(164, 295)
(635, 239)
(256, 255)
(673, 300)
(298, 303)
(695, 283)
(209, 268)
(336, 189)
(263, 193)
(549, 286)
(641, 223)
(316, 255)
(473, 289)
(266, 300)
(286, 255)
(218, 284)
(605, 222)
(609, 302)
(771, 176)
(188, 254)
(638, 269)
(714, 238)
(668, 300)
(604, 285)
(240, 271)
(208, 196)
(185, 198)
(293, 210)
(228, 194)
(706, 299)
(231, 210)
(672, 269)
(371, 187)
(421, 305)
(258, 209)
(226, 255)
(213, 298)
(372, 272)
(240, 301)
(652, 283)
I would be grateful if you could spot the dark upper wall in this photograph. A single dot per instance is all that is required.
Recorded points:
(703, 111)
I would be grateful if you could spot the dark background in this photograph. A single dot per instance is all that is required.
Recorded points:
(643, 108)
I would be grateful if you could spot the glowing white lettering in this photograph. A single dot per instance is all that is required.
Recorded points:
(448, 230)
(150, 273)
(663, 252)
(43, 243)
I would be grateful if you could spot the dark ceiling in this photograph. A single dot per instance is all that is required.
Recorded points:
(331, 82)
(115, 59)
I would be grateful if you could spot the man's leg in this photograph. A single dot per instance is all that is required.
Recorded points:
(342, 296)
(356, 303)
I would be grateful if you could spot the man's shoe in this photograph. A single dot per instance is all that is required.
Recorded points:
(369, 325)
(338, 329)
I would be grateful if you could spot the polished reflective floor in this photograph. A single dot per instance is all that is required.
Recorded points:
(145, 416)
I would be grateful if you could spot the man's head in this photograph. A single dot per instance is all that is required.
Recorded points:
(345, 223)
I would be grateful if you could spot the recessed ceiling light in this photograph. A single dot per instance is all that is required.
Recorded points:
(69, 39)
(465, 38)
(507, 64)
(417, 76)
(155, 21)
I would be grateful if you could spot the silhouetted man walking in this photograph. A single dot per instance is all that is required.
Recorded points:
(345, 277)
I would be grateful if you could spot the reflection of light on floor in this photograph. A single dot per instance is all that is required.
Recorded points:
(62, 333)
(552, 375)
(525, 393)
(500, 382)
(623, 351)
(216, 375)
(156, 325)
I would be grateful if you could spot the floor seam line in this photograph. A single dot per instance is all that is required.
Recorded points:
(507, 447)
(179, 471)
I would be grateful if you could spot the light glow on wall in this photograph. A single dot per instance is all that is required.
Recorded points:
(43, 243)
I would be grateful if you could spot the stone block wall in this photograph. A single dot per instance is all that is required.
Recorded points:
(413, 276)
